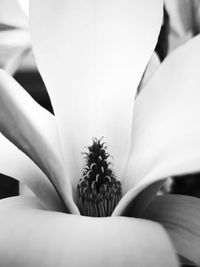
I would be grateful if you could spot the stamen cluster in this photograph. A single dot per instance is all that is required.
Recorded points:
(98, 191)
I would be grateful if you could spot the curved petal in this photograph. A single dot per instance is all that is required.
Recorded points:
(58, 239)
(14, 163)
(14, 46)
(12, 14)
(32, 129)
(184, 21)
(137, 199)
(151, 68)
(166, 125)
(180, 215)
(14, 35)
(21, 202)
(24, 4)
(99, 51)
(185, 262)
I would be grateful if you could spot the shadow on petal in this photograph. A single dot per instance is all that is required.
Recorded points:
(180, 216)
(99, 52)
(57, 239)
(166, 127)
(32, 129)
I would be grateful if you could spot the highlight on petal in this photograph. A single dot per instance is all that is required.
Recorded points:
(166, 127)
(14, 35)
(14, 163)
(12, 14)
(99, 51)
(58, 239)
(14, 46)
(180, 216)
(24, 4)
(21, 202)
(33, 130)
(151, 68)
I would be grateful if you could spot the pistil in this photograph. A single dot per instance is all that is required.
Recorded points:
(98, 191)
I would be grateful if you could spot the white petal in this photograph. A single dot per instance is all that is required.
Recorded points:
(33, 130)
(180, 216)
(32, 237)
(92, 56)
(135, 201)
(184, 21)
(166, 125)
(15, 40)
(20, 202)
(14, 46)
(24, 4)
(12, 14)
(151, 68)
(14, 163)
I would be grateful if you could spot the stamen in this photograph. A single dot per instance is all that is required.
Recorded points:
(98, 191)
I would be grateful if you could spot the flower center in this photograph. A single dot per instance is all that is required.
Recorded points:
(98, 191)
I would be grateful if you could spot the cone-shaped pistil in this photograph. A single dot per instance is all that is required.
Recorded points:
(98, 192)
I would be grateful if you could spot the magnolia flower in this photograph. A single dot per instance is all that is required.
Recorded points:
(92, 56)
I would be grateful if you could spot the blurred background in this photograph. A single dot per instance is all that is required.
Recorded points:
(181, 22)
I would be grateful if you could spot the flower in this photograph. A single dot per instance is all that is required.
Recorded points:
(92, 57)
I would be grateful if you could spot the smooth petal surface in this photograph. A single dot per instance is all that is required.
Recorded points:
(180, 215)
(12, 14)
(58, 239)
(22, 203)
(136, 200)
(166, 125)
(92, 55)
(33, 130)
(14, 163)
(151, 68)
(184, 21)
(14, 35)
(24, 6)
(14, 46)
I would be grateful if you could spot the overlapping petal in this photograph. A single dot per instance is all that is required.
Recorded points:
(151, 68)
(180, 216)
(14, 46)
(12, 14)
(35, 237)
(14, 35)
(184, 21)
(24, 4)
(21, 202)
(99, 51)
(14, 163)
(166, 125)
(33, 130)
